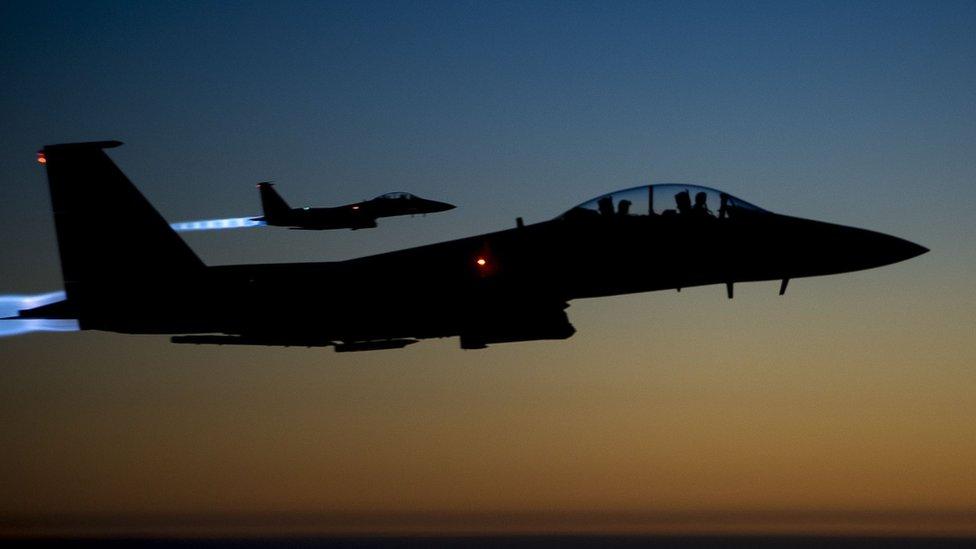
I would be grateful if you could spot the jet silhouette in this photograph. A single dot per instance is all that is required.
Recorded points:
(361, 215)
(511, 285)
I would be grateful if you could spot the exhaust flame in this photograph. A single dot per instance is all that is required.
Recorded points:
(28, 325)
(216, 224)
(10, 305)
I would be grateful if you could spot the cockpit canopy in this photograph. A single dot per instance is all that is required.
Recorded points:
(666, 200)
(396, 196)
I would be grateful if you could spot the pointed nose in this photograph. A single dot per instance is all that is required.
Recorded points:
(812, 248)
(442, 206)
(891, 249)
(877, 249)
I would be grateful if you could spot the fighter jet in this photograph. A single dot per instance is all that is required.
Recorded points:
(505, 286)
(361, 215)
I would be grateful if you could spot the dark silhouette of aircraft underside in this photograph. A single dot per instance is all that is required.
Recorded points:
(511, 285)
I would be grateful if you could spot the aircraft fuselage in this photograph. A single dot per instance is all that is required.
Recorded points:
(435, 290)
(511, 285)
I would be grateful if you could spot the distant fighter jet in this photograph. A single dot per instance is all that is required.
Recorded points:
(361, 215)
(125, 270)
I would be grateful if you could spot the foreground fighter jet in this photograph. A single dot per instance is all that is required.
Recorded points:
(361, 215)
(512, 285)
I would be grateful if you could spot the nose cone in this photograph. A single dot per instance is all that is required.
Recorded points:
(817, 248)
(441, 206)
(868, 249)
(881, 249)
(903, 249)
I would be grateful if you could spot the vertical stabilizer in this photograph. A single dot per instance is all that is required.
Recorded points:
(110, 237)
(275, 208)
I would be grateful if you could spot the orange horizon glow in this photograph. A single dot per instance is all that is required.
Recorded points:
(896, 523)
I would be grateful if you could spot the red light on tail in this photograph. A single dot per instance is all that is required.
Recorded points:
(41, 159)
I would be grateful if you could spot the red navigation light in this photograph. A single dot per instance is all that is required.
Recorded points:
(481, 262)
(41, 158)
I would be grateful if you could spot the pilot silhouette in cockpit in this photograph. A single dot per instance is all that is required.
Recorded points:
(605, 205)
(623, 207)
(683, 201)
(700, 209)
(723, 209)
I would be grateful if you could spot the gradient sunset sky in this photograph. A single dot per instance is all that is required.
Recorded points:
(847, 405)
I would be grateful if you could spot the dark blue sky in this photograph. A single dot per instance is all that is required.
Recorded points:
(862, 113)
(504, 109)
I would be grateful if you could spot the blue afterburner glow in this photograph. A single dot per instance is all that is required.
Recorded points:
(216, 224)
(11, 304)
(28, 325)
